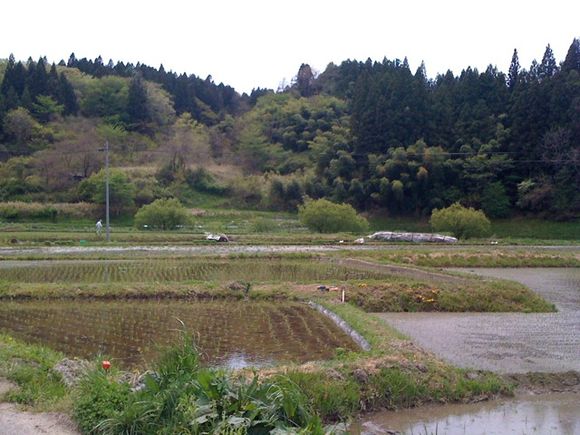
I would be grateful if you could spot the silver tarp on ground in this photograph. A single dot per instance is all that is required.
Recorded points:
(390, 236)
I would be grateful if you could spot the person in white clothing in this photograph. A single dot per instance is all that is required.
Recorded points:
(99, 226)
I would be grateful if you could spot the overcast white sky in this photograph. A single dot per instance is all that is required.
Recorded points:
(251, 43)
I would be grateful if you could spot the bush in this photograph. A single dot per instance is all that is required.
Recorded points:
(324, 216)
(462, 222)
(163, 214)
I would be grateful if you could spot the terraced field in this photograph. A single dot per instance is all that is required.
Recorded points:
(236, 333)
(254, 270)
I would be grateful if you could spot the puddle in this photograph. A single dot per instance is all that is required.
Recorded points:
(229, 333)
(543, 414)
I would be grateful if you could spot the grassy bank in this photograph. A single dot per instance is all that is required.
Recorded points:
(471, 257)
(374, 295)
(477, 296)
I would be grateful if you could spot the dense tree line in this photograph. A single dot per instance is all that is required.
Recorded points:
(203, 99)
(417, 144)
(373, 134)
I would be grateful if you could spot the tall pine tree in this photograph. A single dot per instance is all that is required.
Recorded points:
(514, 71)
(572, 61)
(137, 107)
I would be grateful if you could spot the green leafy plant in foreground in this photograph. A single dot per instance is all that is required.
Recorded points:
(180, 396)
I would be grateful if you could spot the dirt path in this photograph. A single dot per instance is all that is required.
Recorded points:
(506, 342)
(16, 422)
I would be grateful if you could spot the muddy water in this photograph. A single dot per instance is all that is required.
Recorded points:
(557, 414)
(506, 342)
(233, 333)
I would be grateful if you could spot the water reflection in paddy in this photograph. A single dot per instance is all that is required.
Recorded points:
(231, 333)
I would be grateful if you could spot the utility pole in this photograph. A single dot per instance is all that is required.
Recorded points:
(108, 231)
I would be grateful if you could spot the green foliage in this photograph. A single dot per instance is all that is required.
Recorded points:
(331, 398)
(495, 202)
(180, 396)
(99, 396)
(463, 223)
(106, 97)
(46, 108)
(202, 180)
(324, 216)
(162, 214)
(121, 190)
(23, 133)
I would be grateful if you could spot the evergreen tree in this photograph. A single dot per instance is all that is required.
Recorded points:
(137, 106)
(8, 79)
(572, 61)
(305, 81)
(53, 84)
(67, 96)
(26, 99)
(38, 79)
(514, 71)
(548, 67)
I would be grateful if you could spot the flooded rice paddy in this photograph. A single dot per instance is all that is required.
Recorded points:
(506, 342)
(229, 333)
(171, 270)
(548, 414)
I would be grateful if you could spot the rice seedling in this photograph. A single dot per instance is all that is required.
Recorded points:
(131, 331)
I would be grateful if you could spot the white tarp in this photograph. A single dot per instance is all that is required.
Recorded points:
(390, 236)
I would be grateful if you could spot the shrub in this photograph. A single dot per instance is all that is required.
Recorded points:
(324, 216)
(163, 214)
(462, 222)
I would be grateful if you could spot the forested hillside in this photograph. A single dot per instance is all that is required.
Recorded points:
(373, 134)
